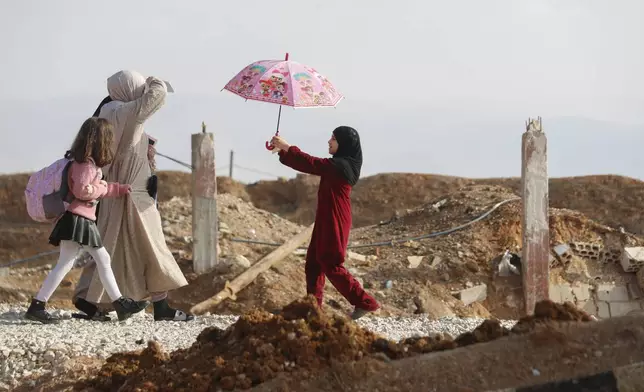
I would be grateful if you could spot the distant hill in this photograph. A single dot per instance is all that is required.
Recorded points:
(610, 199)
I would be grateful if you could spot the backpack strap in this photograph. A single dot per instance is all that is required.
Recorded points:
(65, 194)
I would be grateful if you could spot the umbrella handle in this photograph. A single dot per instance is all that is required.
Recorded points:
(270, 147)
(277, 131)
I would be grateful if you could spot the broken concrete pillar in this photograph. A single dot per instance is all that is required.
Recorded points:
(204, 202)
(534, 186)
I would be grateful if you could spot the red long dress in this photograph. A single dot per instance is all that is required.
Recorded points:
(327, 250)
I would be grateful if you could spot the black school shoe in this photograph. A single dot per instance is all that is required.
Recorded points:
(37, 312)
(126, 307)
(90, 311)
(163, 312)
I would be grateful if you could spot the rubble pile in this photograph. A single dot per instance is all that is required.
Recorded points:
(298, 342)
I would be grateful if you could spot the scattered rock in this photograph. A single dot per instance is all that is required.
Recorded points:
(433, 307)
(224, 228)
(49, 356)
(472, 266)
(472, 294)
(414, 261)
(242, 262)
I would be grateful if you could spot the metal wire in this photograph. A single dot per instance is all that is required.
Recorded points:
(184, 164)
(20, 261)
(175, 160)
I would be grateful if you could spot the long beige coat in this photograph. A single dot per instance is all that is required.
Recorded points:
(131, 226)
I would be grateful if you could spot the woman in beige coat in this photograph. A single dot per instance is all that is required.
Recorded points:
(131, 226)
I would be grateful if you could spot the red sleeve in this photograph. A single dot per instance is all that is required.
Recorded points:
(305, 163)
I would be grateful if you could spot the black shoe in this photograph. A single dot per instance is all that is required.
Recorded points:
(98, 316)
(163, 312)
(126, 307)
(91, 311)
(37, 312)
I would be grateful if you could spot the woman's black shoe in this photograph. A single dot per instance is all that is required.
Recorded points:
(163, 312)
(91, 311)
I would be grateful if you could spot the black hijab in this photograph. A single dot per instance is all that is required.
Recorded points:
(107, 99)
(348, 158)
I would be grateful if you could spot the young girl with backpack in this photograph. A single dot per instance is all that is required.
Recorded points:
(76, 230)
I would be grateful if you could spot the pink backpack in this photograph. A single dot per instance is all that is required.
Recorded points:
(47, 192)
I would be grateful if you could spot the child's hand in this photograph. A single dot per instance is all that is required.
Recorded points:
(280, 143)
(103, 182)
(125, 189)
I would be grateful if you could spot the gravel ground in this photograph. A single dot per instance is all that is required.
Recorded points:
(28, 348)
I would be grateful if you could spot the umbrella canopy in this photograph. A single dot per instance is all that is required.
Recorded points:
(284, 82)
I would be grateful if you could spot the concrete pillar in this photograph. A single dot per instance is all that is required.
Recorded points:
(534, 186)
(204, 202)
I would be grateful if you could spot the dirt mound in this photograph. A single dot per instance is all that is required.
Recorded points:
(179, 184)
(298, 342)
(12, 198)
(610, 200)
(372, 198)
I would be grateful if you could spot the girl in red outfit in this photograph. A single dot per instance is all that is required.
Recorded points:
(76, 229)
(327, 250)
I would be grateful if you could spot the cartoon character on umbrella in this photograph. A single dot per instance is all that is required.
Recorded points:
(285, 83)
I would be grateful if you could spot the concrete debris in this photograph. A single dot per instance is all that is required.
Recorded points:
(635, 291)
(434, 308)
(472, 294)
(357, 256)
(612, 293)
(505, 267)
(242, 261)
(561, 249)
(224, 228)
(414, 261)
(436, 206)
(632, 259)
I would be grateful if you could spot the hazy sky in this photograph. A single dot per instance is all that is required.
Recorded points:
(432, 86)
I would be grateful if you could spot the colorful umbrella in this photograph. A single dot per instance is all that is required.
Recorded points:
(286, 83)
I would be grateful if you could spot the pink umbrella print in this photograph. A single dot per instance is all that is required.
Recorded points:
(286, 83)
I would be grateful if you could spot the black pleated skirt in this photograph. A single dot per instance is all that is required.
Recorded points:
(71, 227)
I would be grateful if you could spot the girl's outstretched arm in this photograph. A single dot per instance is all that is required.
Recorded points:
(305, 163)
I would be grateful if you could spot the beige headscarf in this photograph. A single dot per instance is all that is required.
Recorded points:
(126, 86)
